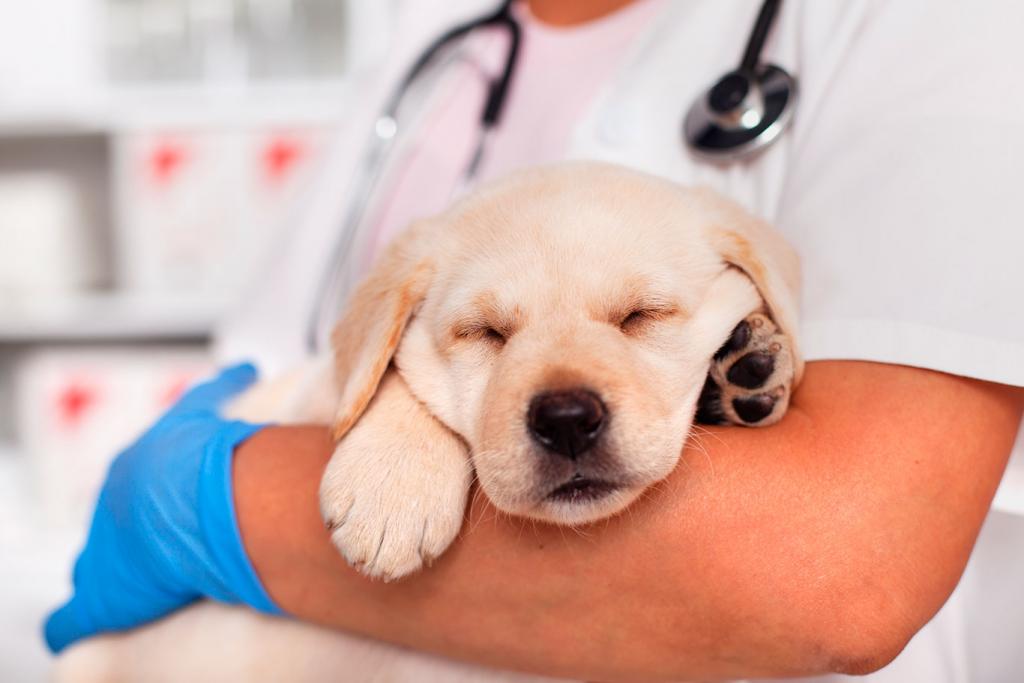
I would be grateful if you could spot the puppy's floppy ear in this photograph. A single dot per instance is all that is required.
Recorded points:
(760, 251)
(367, 336)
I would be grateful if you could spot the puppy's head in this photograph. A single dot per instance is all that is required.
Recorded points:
(562, 323)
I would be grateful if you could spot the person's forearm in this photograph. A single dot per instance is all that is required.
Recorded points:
(810, 546)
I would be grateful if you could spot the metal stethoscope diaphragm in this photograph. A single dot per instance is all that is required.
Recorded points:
(746, 109)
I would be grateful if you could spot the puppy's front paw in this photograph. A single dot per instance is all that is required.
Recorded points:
(394, 493)
(390, 514)
(751, 376)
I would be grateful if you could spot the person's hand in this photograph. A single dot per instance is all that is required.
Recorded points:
(164, 531)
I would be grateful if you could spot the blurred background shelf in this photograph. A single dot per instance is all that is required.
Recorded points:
(46, 121)
(109, 317)
(284, 103)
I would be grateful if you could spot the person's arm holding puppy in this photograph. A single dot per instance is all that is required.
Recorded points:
(821, 544)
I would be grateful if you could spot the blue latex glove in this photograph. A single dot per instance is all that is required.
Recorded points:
(164, 531)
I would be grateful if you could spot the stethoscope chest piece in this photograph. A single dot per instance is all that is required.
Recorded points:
(742, 113)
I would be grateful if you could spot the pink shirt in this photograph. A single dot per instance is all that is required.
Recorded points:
(559, 73)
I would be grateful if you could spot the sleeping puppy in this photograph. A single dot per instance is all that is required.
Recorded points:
(553, 336)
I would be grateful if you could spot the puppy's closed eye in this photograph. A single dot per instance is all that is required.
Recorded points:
(475, 331)
(638, 320)
(486, 320)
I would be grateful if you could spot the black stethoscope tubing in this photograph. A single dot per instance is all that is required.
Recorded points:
(498, 88)
(759, 34)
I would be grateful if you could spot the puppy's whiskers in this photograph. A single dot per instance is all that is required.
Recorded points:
(704, 431)
(473, 506)
(695, 438)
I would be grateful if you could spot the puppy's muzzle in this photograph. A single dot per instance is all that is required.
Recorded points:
(567, 423)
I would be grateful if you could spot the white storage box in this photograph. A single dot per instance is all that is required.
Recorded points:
(46, 247)
(78, 407)
(197, 211)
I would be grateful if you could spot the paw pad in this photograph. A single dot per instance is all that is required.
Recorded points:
(750, 377)
(754, 408)
(752, 370)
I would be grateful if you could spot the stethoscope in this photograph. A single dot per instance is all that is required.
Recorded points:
(748, 108)
(742, 113)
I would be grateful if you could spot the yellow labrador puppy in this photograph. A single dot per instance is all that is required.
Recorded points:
(554, 335)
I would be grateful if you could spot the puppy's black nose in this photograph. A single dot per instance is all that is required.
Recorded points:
(566, 422)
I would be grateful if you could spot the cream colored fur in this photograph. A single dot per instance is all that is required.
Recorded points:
(526, 286)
